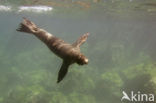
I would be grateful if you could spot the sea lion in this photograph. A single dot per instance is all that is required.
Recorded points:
(70, 53)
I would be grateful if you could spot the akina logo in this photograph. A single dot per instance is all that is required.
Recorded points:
(137, 97)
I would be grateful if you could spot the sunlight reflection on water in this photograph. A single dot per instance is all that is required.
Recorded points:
(37, 9)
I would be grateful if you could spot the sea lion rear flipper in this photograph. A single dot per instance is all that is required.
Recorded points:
(27, 26)
(63, 71)
(81, 40)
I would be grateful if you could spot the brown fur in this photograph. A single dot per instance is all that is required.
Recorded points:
(70, 53)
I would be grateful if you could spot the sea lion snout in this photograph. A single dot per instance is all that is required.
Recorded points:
(86, 61)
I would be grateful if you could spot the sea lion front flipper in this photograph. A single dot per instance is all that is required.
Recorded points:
(63, 71)
(81, 40)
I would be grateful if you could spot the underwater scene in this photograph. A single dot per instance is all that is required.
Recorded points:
(121, 51)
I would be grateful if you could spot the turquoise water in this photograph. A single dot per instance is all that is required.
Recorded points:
(121, 51)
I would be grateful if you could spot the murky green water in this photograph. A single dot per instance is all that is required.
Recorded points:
(121, 51)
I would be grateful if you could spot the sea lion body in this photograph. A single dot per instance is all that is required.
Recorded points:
(63, 49)
(70, 53)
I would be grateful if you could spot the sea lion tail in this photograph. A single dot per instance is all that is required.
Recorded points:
(27, 26)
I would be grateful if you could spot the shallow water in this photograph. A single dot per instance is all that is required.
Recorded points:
(121, 51)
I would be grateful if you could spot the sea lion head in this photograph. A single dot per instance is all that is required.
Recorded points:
(82, 60)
